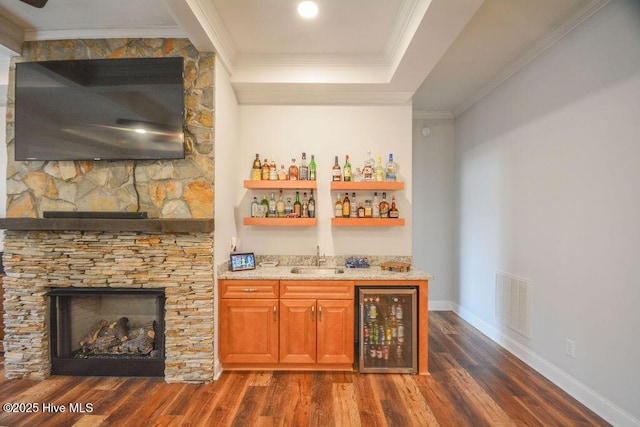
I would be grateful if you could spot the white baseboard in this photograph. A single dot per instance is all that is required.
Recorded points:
(441, 305)
(588, 397)
(217, 370)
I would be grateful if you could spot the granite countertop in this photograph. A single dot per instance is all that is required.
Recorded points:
(284, 273)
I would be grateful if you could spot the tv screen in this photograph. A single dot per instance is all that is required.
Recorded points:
(100, 109)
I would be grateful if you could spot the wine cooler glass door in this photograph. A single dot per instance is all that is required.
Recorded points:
(388, 330)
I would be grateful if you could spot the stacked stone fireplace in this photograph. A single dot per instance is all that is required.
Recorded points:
(181, 264)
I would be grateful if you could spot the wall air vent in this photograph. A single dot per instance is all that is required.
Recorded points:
(513, 302)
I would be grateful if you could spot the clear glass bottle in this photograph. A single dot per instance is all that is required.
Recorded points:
(346, 170)
(357, 175)
(254, 205)
(297, 206)
(375, 206)
(312, 169)
(272, 206)
(288, 208)
(265, 205)
(379, 170)
(353, 213)
(336, 171)
(304, 169)
(346, 206)
(305, 205)
(312, 206)
(273, 171)
(338, 206)
(368, 172)
(293, 171)
(256, 169)
(391, 173)
(280, 206)
(282, 174)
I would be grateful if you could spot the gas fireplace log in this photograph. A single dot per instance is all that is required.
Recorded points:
(140, 340)
(88, 342)
(119, 338)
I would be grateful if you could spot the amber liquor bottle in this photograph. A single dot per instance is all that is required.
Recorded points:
(393, 211)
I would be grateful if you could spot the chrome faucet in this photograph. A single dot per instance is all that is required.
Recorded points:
(319, 260)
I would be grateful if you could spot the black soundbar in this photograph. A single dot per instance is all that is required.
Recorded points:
(94, 214)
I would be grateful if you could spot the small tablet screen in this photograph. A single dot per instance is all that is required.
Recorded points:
(246, 261)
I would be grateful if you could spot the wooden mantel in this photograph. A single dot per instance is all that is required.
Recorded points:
(163, 225)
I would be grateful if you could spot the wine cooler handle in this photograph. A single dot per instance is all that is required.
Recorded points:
(275, 315)
(361, 337)
(313, 313)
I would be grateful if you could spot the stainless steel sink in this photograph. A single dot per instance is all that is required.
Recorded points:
(328, 271)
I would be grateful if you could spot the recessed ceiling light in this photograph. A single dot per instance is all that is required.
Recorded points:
(308, 9)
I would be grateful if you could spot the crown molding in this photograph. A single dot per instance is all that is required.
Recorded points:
(433, 115)
(105, 33)
(412, 13)
(565, 27)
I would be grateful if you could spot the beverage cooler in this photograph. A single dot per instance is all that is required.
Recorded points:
(387, 329)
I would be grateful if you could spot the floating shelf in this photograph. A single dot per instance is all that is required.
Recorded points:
(379, 186)
(285, 185)
(367, 222)
(281, 222)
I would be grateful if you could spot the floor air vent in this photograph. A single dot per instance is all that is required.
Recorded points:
(513, 302)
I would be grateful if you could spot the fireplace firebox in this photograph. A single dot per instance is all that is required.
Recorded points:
(107, 331)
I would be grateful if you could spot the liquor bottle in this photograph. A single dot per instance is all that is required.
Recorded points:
(273, 172)
(256, 169)
(305, 205)
(304, 169)
(312, 206)
(360, 210)
(379, 170)
(254, 203)
(391, 173)
(288, 208)
(293, 171)
(282, 174)
(338, 206)
(312, 169)
(376, 206)
(336, 172)
(346, 206)
(265, 170)
(265, 203)
(297, 206)
(368, 172)
(384, 206)
(346, 171)
(272, 206)
(393, 212)
(353, 209)
(280, 206)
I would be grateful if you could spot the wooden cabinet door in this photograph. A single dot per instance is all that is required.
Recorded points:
(335, 336)
(298, 331)
(249, 330)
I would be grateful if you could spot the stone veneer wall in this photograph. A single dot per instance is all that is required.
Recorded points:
(167, 189)
(180, 263)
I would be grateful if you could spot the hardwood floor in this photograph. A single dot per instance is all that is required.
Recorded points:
(473, 382)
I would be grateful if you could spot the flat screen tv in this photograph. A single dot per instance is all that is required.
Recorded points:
(100, 109)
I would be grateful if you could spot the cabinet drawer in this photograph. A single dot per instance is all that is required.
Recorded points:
(329, 289)
(248, 289)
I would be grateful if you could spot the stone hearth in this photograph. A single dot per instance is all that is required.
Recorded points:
(181, 263)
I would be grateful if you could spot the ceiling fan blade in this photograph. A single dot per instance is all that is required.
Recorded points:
(35, 3)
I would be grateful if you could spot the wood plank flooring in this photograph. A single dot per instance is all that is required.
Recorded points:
(473, 382)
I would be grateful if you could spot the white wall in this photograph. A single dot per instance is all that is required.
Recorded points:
(434, 207)
(284, 132)
(548, 167)
(226, 158)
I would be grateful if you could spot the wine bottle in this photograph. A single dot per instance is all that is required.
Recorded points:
(256, 169)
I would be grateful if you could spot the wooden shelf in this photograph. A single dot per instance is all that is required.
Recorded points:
(276, 185)
(375, 186)
(281, 222)
(367, 222)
